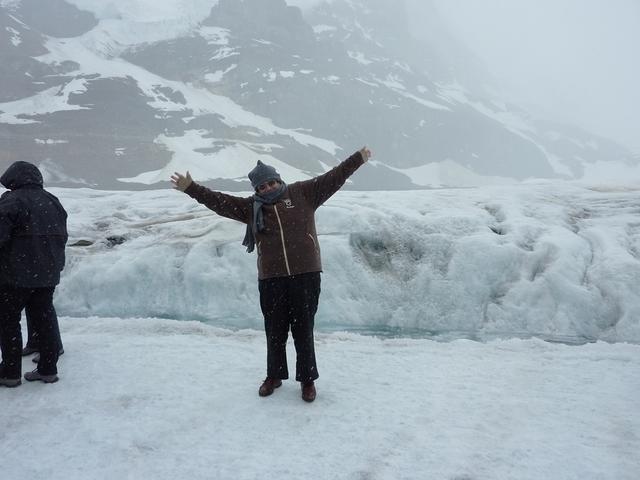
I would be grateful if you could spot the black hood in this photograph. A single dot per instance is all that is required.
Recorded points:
(20, 174)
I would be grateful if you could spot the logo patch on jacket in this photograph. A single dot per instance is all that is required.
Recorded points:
(288, 204)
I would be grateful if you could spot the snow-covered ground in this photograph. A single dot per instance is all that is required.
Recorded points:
(163, 399)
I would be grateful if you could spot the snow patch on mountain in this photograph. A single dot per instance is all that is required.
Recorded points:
(217, 76)
(456, 93)
(449, 173)
(51, 172)
(558, 166)
(215, 35)
(319, 29)
(55, 99)
(359, 57)
(49, 141)
(229, 160)
(198, 100)
(10, 4)
(186, 12)
(16, 39)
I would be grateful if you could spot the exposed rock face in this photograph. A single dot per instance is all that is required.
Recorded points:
(56, 18)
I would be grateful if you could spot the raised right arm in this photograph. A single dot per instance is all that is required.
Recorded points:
(235, 208)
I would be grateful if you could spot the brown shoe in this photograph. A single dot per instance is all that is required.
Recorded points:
(308, 391)
(268, 386)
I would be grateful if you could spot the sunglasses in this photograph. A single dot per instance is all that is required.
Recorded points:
(263, 186)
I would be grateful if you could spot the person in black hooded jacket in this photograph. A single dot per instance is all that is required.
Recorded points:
(33, 235)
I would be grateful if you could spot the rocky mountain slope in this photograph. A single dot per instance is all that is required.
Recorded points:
(120, 94)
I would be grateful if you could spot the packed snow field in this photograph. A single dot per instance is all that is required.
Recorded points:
(554, 261)
(143, 397)
(160, 399)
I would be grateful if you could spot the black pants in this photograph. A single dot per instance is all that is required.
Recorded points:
(290, 302)
(32, 333)
(40, 301)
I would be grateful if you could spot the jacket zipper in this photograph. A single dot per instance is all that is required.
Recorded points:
(312, 240)
(284, 249)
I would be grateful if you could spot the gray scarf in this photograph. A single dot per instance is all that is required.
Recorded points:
(257, 225)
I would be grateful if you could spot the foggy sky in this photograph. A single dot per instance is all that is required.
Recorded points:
(575, 61)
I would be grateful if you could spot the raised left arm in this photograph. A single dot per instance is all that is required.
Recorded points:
(324, 186)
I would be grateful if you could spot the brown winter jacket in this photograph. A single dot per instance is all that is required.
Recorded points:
(288, 245)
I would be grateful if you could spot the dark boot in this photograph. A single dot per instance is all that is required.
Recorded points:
(36, 375)
(6, 381)
(268, 386)
(308, 391)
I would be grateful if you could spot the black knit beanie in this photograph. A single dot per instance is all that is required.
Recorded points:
(263, 173)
